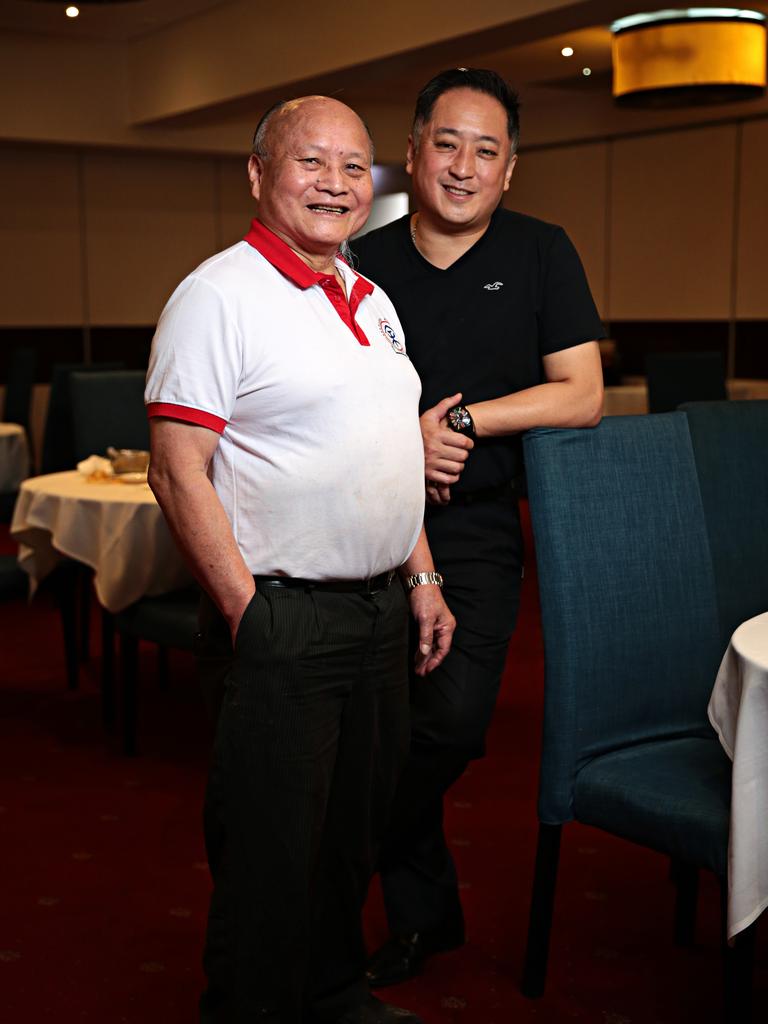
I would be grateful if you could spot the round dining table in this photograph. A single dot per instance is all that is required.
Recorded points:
(14, 456)
(113, 526)
(738, 711)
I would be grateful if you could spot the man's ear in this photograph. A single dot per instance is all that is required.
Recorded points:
(410, 155)
(508, 175)
(255, 174)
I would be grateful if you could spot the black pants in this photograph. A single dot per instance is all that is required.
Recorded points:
(312, 737)
(479, 550)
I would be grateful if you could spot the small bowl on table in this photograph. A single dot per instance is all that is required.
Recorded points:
(129, 465)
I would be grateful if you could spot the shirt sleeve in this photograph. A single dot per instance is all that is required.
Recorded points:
(568, 315)
(196, 358)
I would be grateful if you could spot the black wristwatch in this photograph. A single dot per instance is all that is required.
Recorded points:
(460, 421)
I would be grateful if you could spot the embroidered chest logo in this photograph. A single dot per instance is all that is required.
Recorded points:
(388, 331)
(493, 287)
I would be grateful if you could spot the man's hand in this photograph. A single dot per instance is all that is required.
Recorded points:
(436, 625)
(445, 451)
(236, 617)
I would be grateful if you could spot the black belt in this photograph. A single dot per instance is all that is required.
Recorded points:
(374, 585)
(483, 494)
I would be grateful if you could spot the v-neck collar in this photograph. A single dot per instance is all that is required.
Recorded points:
(465, 256)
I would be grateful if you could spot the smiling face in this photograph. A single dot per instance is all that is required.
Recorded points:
(314, 187)
(463, 161)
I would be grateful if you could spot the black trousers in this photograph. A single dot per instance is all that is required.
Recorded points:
(312, 737)
(479, 549)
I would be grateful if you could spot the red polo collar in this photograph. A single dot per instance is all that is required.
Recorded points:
(284, 259)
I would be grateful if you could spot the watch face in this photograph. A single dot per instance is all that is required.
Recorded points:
(459, 418)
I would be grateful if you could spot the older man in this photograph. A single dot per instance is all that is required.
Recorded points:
(501, 328)
(287, 458)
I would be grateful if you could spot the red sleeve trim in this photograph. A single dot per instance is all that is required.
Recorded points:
(181, 412)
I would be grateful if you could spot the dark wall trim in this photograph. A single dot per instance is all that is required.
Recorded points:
(633, 338)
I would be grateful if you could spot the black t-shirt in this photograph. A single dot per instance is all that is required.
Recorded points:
(482, 325)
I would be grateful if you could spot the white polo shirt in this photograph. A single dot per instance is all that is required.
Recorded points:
(320, 464)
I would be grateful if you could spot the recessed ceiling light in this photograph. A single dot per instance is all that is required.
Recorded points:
(567, 51)
(72, 12)
(586, 72)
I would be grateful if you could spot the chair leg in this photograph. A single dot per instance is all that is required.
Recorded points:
(686, 879)
(129, 650)
(542, 906)
(85, 614)
(107, 669)
(738, 968)
(64, 586)
(163, 672)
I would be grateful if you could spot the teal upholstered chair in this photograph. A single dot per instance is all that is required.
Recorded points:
(730, 445)
(633, 642)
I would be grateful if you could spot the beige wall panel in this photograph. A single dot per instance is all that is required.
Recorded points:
(568, 186)
(671, 226)
(151, 220)
(40, 260)
(752, 253)
(236, 204)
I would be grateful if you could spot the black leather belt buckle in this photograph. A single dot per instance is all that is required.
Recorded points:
(378, 583)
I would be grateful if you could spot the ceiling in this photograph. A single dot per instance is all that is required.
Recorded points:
(113, 21)
(535, 65)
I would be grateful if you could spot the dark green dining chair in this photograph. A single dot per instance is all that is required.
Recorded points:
(170, 621)
(58, 437)
(19, 382)
(633, 643)
(677, 377)
(108, 410)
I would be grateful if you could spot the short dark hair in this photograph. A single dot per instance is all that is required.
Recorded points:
(479, 79)
(259, 146)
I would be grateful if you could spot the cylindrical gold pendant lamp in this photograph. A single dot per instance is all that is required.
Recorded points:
(691, 56)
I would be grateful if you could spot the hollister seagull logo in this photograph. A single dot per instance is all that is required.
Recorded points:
(493, 287)
(388, 331)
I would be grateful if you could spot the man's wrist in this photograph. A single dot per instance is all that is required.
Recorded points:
(422, 579)
(460, 421)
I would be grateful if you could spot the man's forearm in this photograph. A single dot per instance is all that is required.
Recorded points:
(203, 533)
(554, 404)
(571, 397)
(420, 559)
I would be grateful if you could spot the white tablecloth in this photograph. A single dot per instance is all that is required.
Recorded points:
(116, 528)
(738, 710)
(14, 456)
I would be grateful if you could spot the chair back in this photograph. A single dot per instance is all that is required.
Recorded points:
(108, 409)
(730, 445)
(19, 381)
(58, 439)
(629, 614)
(677, 377)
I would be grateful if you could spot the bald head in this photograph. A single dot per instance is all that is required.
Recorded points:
(310, 174)
(278, 119)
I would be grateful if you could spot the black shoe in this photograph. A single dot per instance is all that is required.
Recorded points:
(375, 1012)
(403, 956)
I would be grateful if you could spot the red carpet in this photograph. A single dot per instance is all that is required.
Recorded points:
(105, 881)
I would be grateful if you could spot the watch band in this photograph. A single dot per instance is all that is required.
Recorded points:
(419, 579)
(460, 421)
